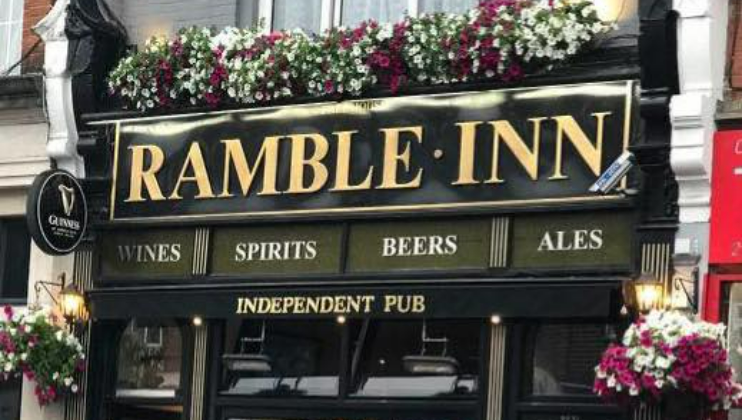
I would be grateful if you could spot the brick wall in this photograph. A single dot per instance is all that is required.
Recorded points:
(33, 12)
(144, 18)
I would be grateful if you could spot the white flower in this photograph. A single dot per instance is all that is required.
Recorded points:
(8, 367)
(55, 376)
(59, 335)
(68, 381)
(74, 388)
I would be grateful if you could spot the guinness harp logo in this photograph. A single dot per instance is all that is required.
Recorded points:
(57, 212)
(68, 199)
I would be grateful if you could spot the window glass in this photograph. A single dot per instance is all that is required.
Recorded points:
(11, 26)
(355, 11)
(16, 246)
(149, 360)
(275, 357)
(287, 15)
(448, 6)
(734, 331)
(247, 13)
(623, 13)
(415, 359)
(565, 356)
(10, 398)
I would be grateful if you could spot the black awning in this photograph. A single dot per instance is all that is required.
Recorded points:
(545, 299)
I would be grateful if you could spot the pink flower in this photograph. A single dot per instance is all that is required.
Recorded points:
(329, 86)
(8, 311)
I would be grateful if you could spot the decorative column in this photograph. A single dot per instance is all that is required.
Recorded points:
(701, 41)
(62, 144)
(62, 147)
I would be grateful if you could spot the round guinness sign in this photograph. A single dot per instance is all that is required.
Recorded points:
(56, 212)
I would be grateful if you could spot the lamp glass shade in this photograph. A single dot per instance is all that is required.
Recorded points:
(649, 293)
(72, 304)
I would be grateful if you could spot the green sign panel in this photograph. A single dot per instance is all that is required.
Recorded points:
(277, 250)
(151, 253)
(421, 245)
(574, 240)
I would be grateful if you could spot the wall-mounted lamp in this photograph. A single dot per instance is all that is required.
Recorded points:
(644, 294)
(684, 281)
(70, 301)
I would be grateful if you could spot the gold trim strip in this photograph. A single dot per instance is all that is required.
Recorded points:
(496, 372)
(199, 373)
(352, 101)
(115, 170)
(498, 250)
(485, 204)
(656, 259)
(627, 123)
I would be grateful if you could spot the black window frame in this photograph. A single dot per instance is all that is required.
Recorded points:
(223, 407)
(22, 266)
(109, 403)
(523, 404)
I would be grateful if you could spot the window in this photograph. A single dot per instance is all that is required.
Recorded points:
(15, 250)
(448, 6)
(10, 398)
(314, 16)
(11, 28)
(415, 359)
(286, 15)
(564, 357)
(733, 315)
(288, 358)
(356, 11)
(149, 361)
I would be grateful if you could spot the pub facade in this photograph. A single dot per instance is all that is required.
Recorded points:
(448, 252)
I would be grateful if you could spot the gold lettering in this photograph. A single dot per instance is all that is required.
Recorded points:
(591, 154)
(146, 177)
(467, 142)
(528, 158)
(239, 310)
(389, 302)
(299, 162)
(194, 160)
(418, 304)
(342, 165)
(368, 300)
(234, 154)
(393, 158)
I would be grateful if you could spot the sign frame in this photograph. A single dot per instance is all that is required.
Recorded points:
(39, 218)
(374, 209)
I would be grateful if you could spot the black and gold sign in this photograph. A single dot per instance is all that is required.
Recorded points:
(308, 252)
(277, 250)
(461, 150)
(419, 245)
(602, 239)
(148, 254)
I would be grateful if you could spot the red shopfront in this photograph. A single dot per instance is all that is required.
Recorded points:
(723, 291)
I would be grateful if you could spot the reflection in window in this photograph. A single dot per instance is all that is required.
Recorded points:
(356, 11)
(247, 13)
(448, 6)
(415, 358)
(149, 361)
(565, 356)
(299, 358)
(287, 15)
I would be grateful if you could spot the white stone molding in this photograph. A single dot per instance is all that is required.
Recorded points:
(62, 143)
(701, 56)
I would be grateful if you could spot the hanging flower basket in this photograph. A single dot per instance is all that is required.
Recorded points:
(33, 345)
(665, 358)
(499, 40)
